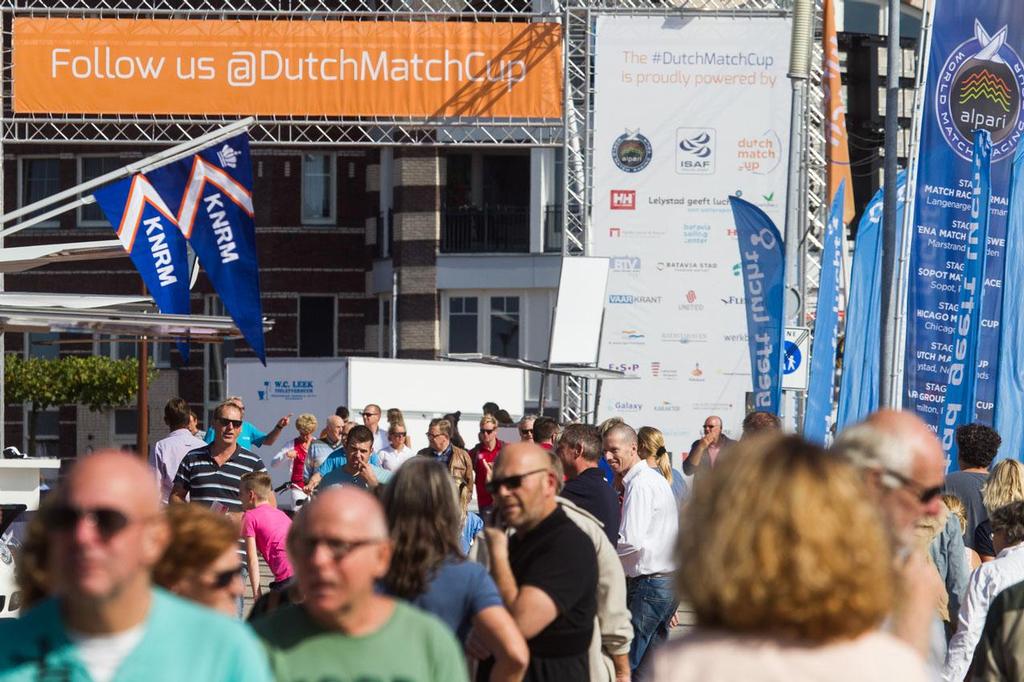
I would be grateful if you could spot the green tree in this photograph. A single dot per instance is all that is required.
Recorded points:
(99, 383)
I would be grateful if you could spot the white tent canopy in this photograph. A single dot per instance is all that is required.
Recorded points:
(22, 258)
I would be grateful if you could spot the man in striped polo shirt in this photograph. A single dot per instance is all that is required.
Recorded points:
(212, 475)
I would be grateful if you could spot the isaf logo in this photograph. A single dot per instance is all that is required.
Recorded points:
(632, 151)
(695, 151)
(980, 87)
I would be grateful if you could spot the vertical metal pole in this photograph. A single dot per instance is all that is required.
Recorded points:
(799, 73)
(394, 310)
(142, 399)
(890, 292)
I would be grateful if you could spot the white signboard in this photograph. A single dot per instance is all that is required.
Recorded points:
(797, 358)
(688, 111)
(582, 287)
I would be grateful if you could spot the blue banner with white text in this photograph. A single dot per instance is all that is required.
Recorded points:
(822, 381)
(148, 231)
(859, 384)
(959, 407)
(763, 262)
(1010, 384)
(975, 81)
(211, 194)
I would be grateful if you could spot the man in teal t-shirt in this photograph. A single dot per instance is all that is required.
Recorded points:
(343, 629)
(106, 531)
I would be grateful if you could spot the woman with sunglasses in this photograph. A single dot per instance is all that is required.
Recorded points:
(201, 562)
(398, 451)
(429, 570)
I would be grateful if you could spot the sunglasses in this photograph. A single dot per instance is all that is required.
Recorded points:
(526, 431)
(488, 431)
(511, 482)
(225, 578)
(924, 495)
(400, 434)
(339, 549)
(237, 423)
(371, 414)
(108, 522)
(709, 428)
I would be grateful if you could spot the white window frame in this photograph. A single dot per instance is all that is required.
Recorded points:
(332, 190)
(483, 321)
(115, 353)
(46, 224)
(80, 176)
(298, 323)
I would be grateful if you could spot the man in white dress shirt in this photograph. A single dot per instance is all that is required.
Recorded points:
(647, 536)
(168, 452)
(985, 584)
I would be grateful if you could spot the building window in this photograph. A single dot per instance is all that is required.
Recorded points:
(462, 324)
(120, 348)
(90, 168)
(40, 178)
(318, 189)
(505, 326)
(317, 327)
(42, 345)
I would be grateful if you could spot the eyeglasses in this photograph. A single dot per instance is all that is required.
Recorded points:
(511, 482)
(924, 495)
(339, 549)
(432, 436)
(488, 431)
(237, 423)
(225, 578)
(108, 522)
(371, 414)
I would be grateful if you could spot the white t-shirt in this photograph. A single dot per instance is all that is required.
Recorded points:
(103, 654)
(391, 459)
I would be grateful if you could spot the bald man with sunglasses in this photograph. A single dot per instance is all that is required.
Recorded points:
(108, 621)
(547, 572)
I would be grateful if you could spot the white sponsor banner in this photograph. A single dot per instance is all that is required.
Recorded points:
(687, 112)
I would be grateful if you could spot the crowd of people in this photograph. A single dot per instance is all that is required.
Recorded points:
(560, 555)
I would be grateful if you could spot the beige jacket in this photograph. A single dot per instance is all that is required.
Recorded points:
(613, 629)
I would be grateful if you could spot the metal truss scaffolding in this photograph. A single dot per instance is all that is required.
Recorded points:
(572, 134)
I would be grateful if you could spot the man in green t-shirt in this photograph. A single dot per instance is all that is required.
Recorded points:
(343, 630)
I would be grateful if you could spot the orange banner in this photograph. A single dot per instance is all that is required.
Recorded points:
(415, 69)
(838, 143)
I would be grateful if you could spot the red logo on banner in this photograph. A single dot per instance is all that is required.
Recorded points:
(691, 296)
(623, 200)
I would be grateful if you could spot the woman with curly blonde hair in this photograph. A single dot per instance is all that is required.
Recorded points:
(297, 452)
(788, 569)
(1004, 485)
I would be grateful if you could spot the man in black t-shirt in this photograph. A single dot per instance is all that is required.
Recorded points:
(579, 450)
(547, 572)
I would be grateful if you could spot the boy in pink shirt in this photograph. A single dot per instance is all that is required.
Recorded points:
(265, 529)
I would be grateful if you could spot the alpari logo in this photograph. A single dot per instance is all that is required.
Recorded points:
(980, 87)
(733, 300)
(625, 264)
(632, 151)
(627, 406)
(695, 151)
(623, 200)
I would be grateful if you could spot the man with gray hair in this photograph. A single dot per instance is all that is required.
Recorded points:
(986, 583)
(904, 470)
(647, 537)
(579, 451)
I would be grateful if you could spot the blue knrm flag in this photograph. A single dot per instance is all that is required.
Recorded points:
(148, 230)
(822, 381)
(1010, 380)
(764, 273)
(858, 386)
(211, 195)
(958, 407)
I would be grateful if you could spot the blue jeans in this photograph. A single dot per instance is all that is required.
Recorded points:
(651, 602)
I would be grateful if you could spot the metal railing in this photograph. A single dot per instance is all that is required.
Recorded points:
(490, 229)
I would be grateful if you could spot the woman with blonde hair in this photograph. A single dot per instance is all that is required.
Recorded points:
(651, 447)
(1004, 485)
(788, 569)
(305, 424)
(201, 562)
(397, 451)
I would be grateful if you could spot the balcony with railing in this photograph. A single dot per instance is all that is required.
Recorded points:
(487, 229)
